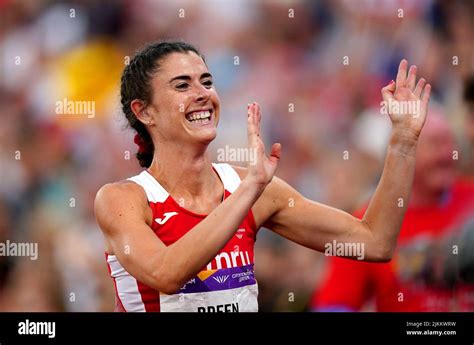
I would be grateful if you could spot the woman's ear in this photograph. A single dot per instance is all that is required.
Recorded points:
(140, 110)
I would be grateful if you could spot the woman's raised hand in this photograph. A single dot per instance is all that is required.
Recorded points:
(261, 167)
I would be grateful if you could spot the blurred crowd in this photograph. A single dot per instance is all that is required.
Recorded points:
(316, 68)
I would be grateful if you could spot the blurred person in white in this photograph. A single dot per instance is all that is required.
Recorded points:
(180, 235)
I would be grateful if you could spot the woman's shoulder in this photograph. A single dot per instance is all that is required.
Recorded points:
(116, 195)
(119, 188)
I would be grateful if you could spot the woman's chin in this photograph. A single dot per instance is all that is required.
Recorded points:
(207, 135)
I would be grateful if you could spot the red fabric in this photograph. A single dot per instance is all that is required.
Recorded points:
(178, 225)
(150, 297)
(351, 284)
(185, 220)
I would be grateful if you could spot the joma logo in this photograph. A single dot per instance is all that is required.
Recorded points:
(167, 215)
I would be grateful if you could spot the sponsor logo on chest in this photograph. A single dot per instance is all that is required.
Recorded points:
(228, 260)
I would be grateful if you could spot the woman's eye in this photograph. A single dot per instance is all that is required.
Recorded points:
(207, 83)
(182, 86)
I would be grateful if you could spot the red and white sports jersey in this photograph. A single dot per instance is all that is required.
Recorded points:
(226, 284)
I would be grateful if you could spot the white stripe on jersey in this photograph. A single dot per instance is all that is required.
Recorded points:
(228, 175)
(154, 191)
(127, 286)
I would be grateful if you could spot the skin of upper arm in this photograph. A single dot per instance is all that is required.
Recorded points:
(123, 215)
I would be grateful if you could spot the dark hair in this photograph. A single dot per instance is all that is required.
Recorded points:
(468, 93)
(135, 84)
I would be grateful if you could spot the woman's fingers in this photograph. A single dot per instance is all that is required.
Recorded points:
(273, 159)
(251, 127)
(419, 87)
(411, 78)
(257, 116)
(387, 91)
(275, 154)
(426, 94)
(402, 73)
(254, 118)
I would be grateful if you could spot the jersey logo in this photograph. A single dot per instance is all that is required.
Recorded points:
(240, 233)
(167, 215)
(227, 260)
(221, 279)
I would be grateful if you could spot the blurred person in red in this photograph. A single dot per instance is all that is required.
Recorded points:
(432, 268)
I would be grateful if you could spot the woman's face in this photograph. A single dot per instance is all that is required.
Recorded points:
(185, 106)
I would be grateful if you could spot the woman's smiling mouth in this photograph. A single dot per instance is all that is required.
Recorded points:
(200, 117)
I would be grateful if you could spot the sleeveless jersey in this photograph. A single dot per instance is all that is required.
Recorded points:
(226, 284)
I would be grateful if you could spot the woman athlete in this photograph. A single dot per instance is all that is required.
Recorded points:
(180, 235)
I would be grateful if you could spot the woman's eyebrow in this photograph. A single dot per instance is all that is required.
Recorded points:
(206, 75)
(187, 77)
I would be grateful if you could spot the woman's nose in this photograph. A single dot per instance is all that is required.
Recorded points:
(202, 94)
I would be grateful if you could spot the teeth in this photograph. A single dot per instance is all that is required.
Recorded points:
(196, 116)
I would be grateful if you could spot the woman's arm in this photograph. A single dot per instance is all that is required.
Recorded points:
(122, 213)
(285, 211)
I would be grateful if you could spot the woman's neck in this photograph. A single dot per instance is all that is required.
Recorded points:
(183, 171)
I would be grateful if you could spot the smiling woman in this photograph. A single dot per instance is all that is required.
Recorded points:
(138, 84)
(180, 235)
